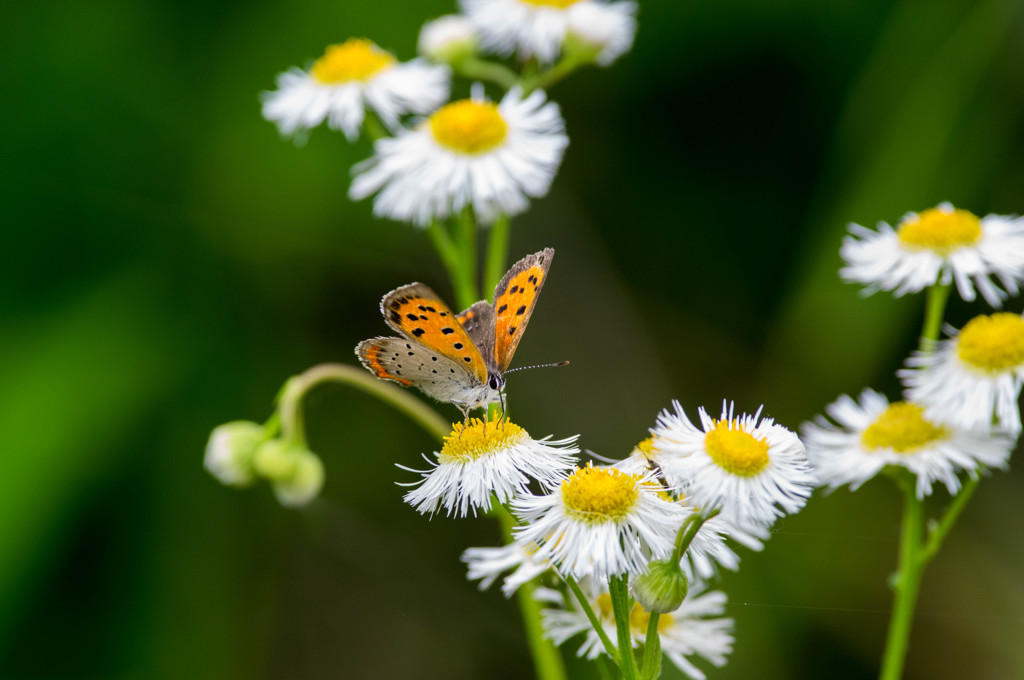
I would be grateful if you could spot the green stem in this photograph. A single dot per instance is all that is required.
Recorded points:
(373, 127)
(941, 530)
(603, 670)
(688, 532)
(474, 68)
(467, 262)
(548, 78)
(907, 582)
(452, 259)
(935, 309)
(592, 617)
(622, 606)
(497, 254)
(290, 399)
(651, 667)
(547, 661)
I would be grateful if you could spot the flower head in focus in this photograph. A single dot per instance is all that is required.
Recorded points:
(349, 78)
(488, 459)
(598, 522)
(939, 245)
(748, 468)
(469, 153)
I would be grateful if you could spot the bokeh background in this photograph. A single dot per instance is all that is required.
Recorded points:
(169, 261)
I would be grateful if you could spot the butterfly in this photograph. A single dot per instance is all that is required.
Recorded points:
(457, 358)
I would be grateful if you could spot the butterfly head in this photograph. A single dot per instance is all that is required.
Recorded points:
(496, 381)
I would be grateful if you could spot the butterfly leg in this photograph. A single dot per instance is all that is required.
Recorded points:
(465, 418)
(501, 397)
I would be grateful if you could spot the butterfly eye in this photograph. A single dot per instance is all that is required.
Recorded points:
(495, 382)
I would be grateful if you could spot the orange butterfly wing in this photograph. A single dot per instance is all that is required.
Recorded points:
(418, 313)
(514, 300)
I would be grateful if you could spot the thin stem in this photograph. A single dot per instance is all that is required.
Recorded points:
(497, 254)
(907, 582)
(592, 617)
(548, 78)
(467, 262)
(290, 399)
(474, 68)
(941, 530)
(622, 607)
(602, 668)
(651, 667)
(688, 532)
(935, 309)
(452, 259)
(373, 127)
(547, 661)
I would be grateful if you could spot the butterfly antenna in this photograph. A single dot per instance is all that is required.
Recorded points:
(523, 368)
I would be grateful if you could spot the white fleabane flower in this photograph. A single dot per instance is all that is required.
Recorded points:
(693, 630)
(486, 460)
(749, 468)
(487, 564)
(537, 28)
(870, 434)
(493, 157)
(347, 79)
(447, 38)
(599, 522)
(974, 378)
(940, 245)
(607, 29)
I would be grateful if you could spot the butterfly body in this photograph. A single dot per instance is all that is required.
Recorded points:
(456, 358)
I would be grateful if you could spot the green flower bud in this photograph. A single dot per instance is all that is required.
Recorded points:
(276, 459)
(305, 483)
(662, 589)
(231, 451)
(448, 39)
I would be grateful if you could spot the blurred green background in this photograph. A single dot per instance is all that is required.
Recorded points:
(169, 261)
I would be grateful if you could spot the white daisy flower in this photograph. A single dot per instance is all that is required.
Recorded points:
(750, 469)
(468, 153)
(538, 28)
(940, 245)
(693, 630)
(447, 39)
(973, 378)
(487, 460)
(348, 78)
(871, 434)
(599, 522)
(487, 564)
(708, 550)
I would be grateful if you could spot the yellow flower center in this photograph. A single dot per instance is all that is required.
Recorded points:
(469, 127)
(480, 438)
(600, 494)
(736, 451)
(646, 447)
(638, 618)
(560, 4)
(354, 59)
(940, 230)
(902, 428)
(992, 343)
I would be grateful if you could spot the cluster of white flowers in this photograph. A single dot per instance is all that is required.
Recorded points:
(959, 411)
(471, 153)
(729, 480)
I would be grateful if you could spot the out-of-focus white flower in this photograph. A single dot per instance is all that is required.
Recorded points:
(447, 39)
(487, 564)
(230, 452)
(349, 78)
(493, 157)
(604, 30)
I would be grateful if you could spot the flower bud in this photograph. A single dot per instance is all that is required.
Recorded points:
(276, 459)
(305, 483)
(231, 450)
(662, 589)
(448, 39)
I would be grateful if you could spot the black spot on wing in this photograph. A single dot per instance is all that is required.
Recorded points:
(521, 311)
(418, 332)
